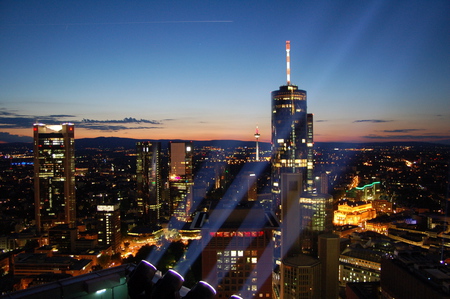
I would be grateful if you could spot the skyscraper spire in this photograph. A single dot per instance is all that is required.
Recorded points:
(288, 62)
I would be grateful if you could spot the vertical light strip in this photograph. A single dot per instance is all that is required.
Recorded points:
(288, 62)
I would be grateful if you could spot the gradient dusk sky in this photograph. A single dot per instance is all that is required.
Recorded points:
(374, 70)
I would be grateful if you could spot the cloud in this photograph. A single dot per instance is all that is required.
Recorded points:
(406, 137)
(126, 120)
(60, 115)
(12, 120)
(114, 128)
(371, 121)
(401, 130)
(3, 112)
(6, 137)
(321, 120)
(16, 122)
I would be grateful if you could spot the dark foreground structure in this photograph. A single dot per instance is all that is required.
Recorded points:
(122, 282)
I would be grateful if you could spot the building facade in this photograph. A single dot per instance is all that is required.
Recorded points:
(109, 232)
(316, 217)
(359, 265)
(149, 181)
(54, 175)
(301, 277)
(354, 213)
(238, 256)
(181, 180)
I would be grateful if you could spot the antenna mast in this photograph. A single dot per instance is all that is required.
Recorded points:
(288, 62)
(257, 135)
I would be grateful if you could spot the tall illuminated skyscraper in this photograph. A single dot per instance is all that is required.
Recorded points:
(149, 180)
(109, 233)
(54, 175)
(180, 179)
(291, 133)
(310, 155)
(238, 256)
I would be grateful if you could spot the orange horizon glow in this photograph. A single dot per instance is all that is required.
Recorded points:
(241, 135)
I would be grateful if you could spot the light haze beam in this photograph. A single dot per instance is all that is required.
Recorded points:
(122, 23)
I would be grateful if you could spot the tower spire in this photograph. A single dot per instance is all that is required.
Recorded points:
(288, 62)
(257, 135)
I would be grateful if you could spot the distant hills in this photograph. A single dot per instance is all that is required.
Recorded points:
(129, 143)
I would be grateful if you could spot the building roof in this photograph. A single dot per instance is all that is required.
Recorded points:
(247, 215)
(301, 260)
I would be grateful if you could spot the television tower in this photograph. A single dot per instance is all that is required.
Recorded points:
(257, 135)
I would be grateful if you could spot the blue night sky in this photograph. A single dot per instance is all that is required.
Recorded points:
(373, 70)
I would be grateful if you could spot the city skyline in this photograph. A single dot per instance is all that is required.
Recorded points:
(374, 71)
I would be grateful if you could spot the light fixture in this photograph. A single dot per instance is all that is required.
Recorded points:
(202, 290)
(141, 279)
(168, 286)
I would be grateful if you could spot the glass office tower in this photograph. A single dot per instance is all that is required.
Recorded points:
(181, 179)
(289, 136)
(149, 181)
(54, 175)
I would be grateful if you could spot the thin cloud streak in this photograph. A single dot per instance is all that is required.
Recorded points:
(125, 120)
(115, 128)
(120, 23)
(406, 137)
(371, 121)
(402, 130)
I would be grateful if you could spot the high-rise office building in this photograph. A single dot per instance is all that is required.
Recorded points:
(321, 183)
(316, 217)
(310, 155)
(291, 133)
(54, 175)
(329, 257)
(63, 237)
(291, 230)
(109, 226)
(238, 255)
(301, 277)
(149, 181)
(181, 180)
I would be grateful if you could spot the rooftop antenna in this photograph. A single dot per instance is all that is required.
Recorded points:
(288, 62)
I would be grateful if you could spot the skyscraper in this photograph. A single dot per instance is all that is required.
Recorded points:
(291, 133)
(310, 155)
(54, 175)
(149, 181)
(238, 256)
(180, 179)
(109, 226)
(316, 217)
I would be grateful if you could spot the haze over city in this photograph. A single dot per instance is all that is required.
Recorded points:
(200, 70)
